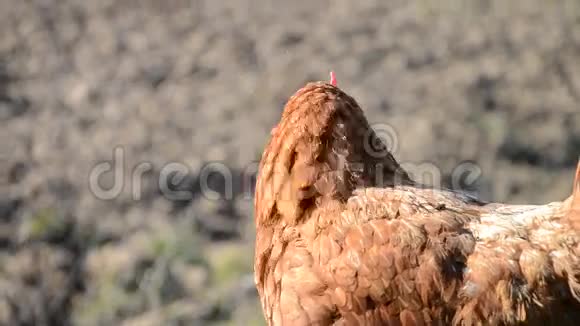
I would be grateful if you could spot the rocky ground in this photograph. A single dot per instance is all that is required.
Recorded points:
(486, 91)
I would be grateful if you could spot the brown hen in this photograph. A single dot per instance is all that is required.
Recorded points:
(344, 236)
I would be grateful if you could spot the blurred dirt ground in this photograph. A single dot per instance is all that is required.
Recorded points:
(491, 82)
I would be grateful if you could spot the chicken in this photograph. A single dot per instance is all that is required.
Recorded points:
(345, 237)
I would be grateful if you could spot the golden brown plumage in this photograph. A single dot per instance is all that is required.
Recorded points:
(344, 236)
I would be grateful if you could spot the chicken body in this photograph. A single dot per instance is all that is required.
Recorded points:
(344, 236)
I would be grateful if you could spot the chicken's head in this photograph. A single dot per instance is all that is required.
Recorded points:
(320, 150)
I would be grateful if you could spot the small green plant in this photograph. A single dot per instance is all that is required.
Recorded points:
(44, 224)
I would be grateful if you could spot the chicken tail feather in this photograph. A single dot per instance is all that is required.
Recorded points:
(576, 192)
(573, 213)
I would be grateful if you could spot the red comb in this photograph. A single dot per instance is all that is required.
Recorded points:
(332, 79)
